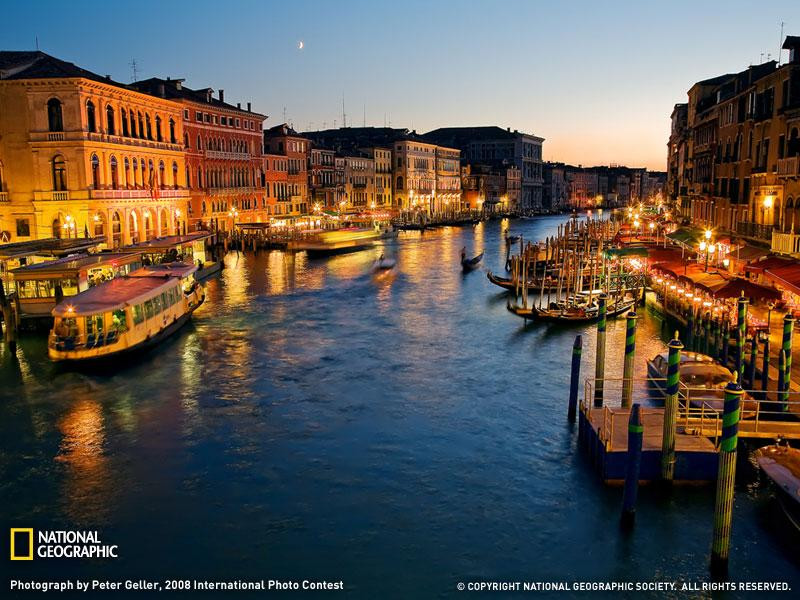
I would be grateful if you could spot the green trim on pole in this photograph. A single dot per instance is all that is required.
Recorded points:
(671, 410)
(630, 352)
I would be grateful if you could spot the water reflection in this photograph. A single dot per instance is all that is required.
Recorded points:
(89, 498)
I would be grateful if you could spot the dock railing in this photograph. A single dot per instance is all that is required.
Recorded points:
(764, 415)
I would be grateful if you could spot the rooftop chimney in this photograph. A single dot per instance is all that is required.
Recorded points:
(178, 85)
(222, 95)
(248, 107)
(239, 105)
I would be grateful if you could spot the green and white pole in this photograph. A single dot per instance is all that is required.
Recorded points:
(630, 351)
(726, 475)
(741, 332)
(671, 410)
(600, 355)
(786, 346)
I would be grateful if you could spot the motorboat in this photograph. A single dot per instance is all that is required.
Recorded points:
(781, 463)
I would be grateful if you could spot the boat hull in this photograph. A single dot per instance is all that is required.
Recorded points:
(139, 348)
(775, 462)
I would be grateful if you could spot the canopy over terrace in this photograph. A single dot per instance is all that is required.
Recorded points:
(720, 285)
(787, 277)
(688, 237)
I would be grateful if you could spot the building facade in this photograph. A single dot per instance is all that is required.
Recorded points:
(742, 151)
(322, 178)
(285, 141)
(83, 155)
(359, 190)
(499, 147)
(223, 146)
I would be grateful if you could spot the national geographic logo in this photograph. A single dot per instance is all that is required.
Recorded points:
(25, 545)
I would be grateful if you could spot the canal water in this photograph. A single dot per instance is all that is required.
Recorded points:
(400, 432)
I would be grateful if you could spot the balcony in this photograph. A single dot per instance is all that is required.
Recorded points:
(3, 196)
(232, 190)
(786, 243)
(755, 230)
(219, 155)
(51, 195)
(82, 136)
(788, 167)
(55, 136)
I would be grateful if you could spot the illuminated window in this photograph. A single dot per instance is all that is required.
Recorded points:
(54, 117)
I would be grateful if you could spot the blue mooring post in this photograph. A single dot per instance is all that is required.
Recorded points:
(723, 354)
(574, 378)
(765, 368)
(632, 466)
(627, 366)
(726, 475)
(783, 389)
(751, 366)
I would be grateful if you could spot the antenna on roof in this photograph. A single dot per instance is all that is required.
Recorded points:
(37, 42)
(780, 44)
(344, 114)
(284, 114)
(134, 70)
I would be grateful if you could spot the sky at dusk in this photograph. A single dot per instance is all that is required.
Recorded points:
(596, 79)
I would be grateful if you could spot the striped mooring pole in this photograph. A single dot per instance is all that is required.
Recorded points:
(765, 367)
(781, 377)
(671, 410)
(726, 474)
(632, 466)
(630, 351)
(786, 346)
(723, 353)
(600, 355)
(574, 378)
(741, 332)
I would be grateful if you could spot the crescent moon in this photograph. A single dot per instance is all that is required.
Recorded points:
(300, 45)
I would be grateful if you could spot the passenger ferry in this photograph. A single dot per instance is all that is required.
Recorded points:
(127, 314)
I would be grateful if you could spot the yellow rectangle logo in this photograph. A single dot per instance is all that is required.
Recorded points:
(15, 531)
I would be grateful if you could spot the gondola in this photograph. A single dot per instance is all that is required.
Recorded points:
(508, 284)
(569, 315)
(512, 239)
(782, 465)
(469, 264)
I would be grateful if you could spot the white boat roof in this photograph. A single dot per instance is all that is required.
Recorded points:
(174, 269)
(117, 293)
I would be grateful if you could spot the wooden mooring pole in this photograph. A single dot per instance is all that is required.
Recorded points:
(671, 410)
(574, 378)
(726, 475)
(741, 332)
(632, 466)
(788, 329)
(765, 367)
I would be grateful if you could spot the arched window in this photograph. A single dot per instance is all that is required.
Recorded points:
(57, 227)
(55, 121)
(95, 172)
(145, 182)
(133, 228)
(116, 229)
(164, 223)
(99, 224)
(133, 124)
(162, 182)
(114, 173)
(172, 138)
(399, 183)
(110, 130)
(158, 128)
(185, 140)
(199, 177)
(91, 120)
(59, 173)
(174, 175)
(127, 164)
(141, 125)
(199, 143)
(188, 178)
(149, 135)
(123, 118)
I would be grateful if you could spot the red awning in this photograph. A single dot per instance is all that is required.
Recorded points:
(787, 277)
(769, 263)
(733, 288)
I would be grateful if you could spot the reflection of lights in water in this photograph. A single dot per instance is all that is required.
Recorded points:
(236, 277)
(87, 486)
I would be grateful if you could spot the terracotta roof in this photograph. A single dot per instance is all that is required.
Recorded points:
(38, 65)
(175, 90)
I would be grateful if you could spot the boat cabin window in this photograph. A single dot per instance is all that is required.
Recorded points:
(156, 305)
(66, 327)
(148, 309)
(94, 325)
(138, 314)
(118, 320)
(46, 288)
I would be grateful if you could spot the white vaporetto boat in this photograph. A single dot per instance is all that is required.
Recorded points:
(125, 315)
